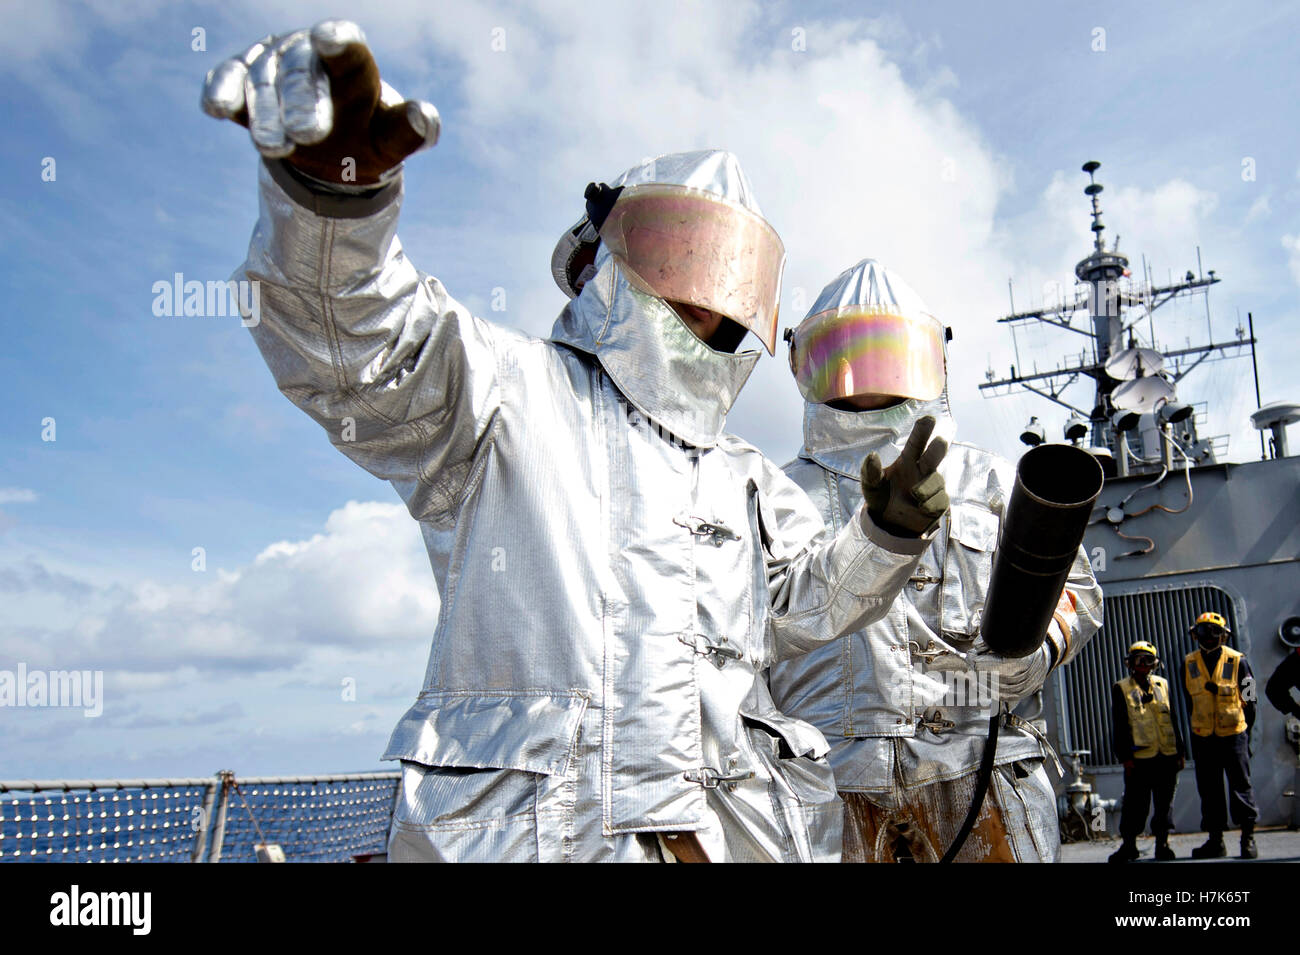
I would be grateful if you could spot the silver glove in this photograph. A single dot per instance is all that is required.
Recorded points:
(280, 88)
(1015, 678)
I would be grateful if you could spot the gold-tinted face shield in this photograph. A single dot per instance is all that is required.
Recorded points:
(687, 245)
(868, 350)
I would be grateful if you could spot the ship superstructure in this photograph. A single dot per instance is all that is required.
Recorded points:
(1177, 530)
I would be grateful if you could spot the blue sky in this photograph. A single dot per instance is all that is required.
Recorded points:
(170, 434)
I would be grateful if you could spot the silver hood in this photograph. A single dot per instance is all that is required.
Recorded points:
(839, 440)
(655, 360)
(868, 282)
(658, 363)
(709, 170)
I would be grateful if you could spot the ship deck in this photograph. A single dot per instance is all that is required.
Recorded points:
(1275, 845)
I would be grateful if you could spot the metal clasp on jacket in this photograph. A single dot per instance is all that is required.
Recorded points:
(935, 721)
(716, 530)
(718, 653)
(1019, 722)
(711, 778)
(920, 580)
(930, 653)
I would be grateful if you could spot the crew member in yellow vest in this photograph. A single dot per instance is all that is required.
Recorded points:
(1147, 743)
(1221, 693)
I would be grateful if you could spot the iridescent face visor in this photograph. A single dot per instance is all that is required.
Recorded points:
(868, 350)
(686, 245)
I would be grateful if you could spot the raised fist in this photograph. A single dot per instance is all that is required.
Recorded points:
(315, 99)
(908, 497)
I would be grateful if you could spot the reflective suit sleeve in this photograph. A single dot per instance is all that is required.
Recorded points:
(1076, 618)
(398, 373)
(820, 586)
(1078, 612)
(1121, 732)
(1279, 686)
(1246, 678)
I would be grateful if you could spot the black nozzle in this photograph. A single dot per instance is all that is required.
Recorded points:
(1056, 488)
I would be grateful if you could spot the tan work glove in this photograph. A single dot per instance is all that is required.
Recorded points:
(908, 497)
(314, 99)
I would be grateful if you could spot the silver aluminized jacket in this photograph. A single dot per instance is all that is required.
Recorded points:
(615, 570)
(886, 714)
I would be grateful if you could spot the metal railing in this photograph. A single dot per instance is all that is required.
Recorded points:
(218, 819)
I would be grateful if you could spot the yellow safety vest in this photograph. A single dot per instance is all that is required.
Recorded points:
(1151, 725)
(1215, 714)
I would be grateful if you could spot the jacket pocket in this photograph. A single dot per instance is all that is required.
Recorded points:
(486, 776)
(967, 564)
(1229, 710)
(530, 730)
(1027, 801)
(800, 783)
(771, 730)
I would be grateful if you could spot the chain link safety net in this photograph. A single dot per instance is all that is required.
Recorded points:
(313, 819)
(101, 825)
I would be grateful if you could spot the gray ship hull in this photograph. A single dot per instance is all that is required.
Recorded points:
(1236, 550)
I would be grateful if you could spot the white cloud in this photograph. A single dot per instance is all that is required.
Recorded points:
(17, 495)
(194, 668)
(126, 681)
(852, 147)
(1261, 208)
(851, 144)
(364, 581)
(1292, 245)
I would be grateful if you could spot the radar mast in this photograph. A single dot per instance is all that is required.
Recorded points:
(1136, 419)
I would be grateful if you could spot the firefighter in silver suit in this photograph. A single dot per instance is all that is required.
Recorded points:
(615, 569)
(906, 701)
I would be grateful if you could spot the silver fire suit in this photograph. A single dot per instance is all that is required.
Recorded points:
(615, 569)
(878, 694)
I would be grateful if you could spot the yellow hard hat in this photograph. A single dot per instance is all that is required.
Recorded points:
(1143, 646)
(1211, 617)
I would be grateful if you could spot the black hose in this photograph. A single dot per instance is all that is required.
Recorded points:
(982, 780)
